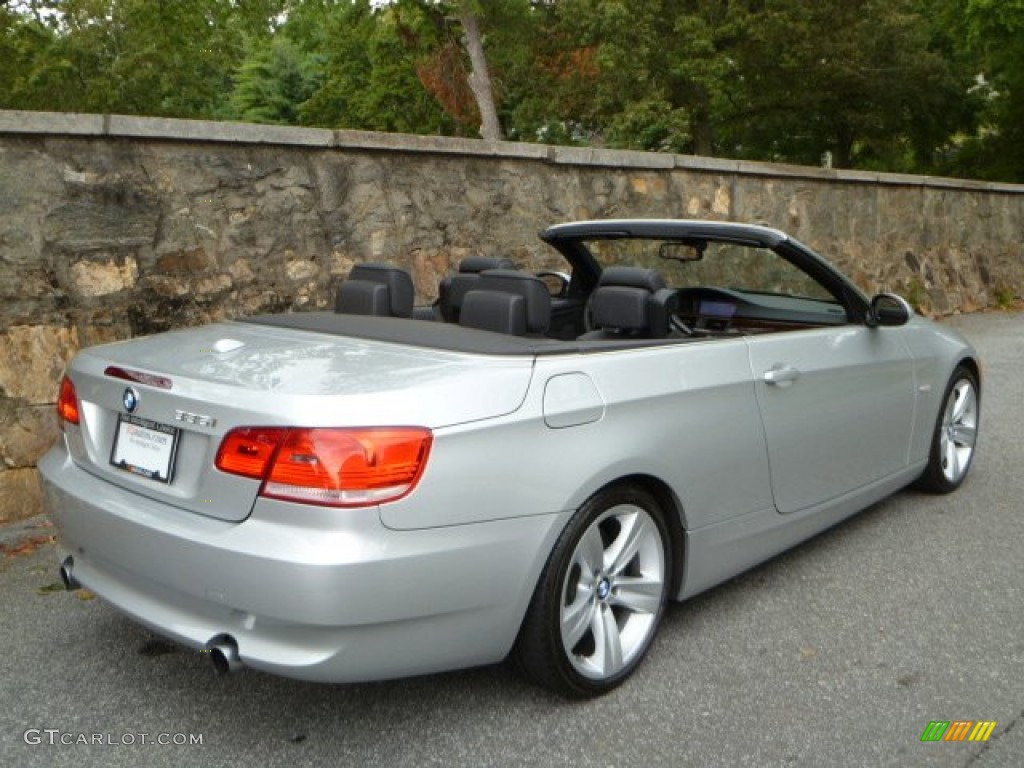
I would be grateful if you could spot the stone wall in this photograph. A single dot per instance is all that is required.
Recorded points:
(112, 227)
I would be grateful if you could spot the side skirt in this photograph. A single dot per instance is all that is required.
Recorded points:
(720, 551)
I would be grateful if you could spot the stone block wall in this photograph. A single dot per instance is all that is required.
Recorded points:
(112, 227)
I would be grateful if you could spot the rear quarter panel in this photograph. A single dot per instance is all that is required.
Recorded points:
(685, 414)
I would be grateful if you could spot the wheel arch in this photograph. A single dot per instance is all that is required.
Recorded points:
(973, 366)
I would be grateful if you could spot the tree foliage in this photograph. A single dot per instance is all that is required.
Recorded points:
(933, 86)
(991, 33)
(129, 56)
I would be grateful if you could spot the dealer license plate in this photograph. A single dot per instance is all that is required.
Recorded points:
(145, 448)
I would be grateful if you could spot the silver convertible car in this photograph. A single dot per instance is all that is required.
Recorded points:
(527, 470)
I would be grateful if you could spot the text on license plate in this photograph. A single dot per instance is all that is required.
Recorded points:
(145, 448)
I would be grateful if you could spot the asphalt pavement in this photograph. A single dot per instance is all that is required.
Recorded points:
(837, 653)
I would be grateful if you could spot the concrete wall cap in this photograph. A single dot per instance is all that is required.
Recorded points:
(174, 129)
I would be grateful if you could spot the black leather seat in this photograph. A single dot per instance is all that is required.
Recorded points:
(509, 302)
(376, 289)
(631, 302)
(454, 288)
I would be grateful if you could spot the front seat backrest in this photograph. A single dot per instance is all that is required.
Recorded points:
(631, 302)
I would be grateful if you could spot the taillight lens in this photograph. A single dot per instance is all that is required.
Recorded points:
(67, 403)
(333, 467)
(248, 451)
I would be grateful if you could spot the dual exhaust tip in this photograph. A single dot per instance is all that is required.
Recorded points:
(223, 649)
(67, 575)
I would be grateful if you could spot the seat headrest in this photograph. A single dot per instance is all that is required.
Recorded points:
(620, 308)
(633, 301)
(473, 264)
(453, 288)
(361, 297)
(532, 289)
(377, 289)
(633, 277)
(496, 311)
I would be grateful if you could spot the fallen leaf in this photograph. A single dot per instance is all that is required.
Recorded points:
(53, 586)
(84, 594)
(28, 546)
(808, 652)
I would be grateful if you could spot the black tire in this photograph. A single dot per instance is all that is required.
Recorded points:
(617, 607)
(955, 435)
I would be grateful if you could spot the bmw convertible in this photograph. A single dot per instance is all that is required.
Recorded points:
(527, 470)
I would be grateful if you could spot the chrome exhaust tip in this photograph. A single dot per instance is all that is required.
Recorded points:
(66, 575)
(224, 653)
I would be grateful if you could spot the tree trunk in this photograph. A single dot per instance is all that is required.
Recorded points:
(480, 77)
(700, 124)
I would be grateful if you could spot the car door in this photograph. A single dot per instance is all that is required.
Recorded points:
(837, 405)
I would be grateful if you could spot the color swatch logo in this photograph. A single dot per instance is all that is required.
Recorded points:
(958, 730)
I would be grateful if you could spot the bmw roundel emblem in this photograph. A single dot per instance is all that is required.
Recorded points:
(130, 399)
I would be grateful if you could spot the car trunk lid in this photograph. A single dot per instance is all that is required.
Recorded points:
(163, 404)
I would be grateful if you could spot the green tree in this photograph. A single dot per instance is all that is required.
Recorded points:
(908, 85)
(369, 77)
(855, 78)
(24, 41)
(991, 36)
(646, 74)
(274, 81)
(137, 56)
(790, 80)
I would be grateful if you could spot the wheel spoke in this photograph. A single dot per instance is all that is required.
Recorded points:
(607, 641)
(962, 401)
(952, 465)
(639, 594)
(635, 529)
(964, 435)
(589, 554)
(578, 617)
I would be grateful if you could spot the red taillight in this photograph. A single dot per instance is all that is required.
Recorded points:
(334, 467)
(248, 451)
(67, 403)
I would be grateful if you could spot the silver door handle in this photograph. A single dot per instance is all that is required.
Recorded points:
(782, 375)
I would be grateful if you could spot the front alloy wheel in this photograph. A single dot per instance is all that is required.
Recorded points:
(955, 436)
(601, 596)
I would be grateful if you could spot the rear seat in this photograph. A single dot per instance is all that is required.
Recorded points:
(454, 288)
(507, 301)
(376, 289)
(482, 295)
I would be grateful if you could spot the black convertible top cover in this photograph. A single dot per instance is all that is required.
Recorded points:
(435, 335)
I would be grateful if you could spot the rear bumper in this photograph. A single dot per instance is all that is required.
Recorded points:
(310, 593)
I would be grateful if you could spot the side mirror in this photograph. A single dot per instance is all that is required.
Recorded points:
(888, 309)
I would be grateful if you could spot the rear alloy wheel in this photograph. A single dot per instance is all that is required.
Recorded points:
(601, 596)
(955, 436)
